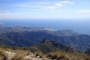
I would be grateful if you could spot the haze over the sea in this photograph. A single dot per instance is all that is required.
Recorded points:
(81, 26)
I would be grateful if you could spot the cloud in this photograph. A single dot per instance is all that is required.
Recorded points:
(22, 15)
(27, 6)
(63, 2)
(58, 4)
(83, 11)
(50, 8)
(67, 2)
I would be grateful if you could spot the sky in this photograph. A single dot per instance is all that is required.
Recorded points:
(44, 9)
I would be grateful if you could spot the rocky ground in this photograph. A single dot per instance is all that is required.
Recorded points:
(29, 56)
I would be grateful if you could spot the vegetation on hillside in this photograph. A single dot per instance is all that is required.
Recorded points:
(20, 54)
(25, 39)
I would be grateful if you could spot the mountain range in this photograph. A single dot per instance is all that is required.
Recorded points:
(48, 45)
(28, 36)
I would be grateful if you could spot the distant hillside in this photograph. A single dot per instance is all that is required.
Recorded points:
(67, 32)
(58, 45)
(24, 36)
(48, 45)
(7, 29)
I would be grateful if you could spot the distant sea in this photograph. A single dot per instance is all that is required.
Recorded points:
(81, 26)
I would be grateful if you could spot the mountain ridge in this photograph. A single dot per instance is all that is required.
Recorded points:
(28, 38)
(48, 45)
(58, 45)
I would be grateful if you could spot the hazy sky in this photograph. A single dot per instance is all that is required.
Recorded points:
(44, 9)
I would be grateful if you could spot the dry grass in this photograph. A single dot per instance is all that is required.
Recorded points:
(67, 56)
(20, 54)
(3, 55)
(58, 55)
(17, 57)
(38, 53)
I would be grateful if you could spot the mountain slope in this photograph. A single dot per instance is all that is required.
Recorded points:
(87, 51)
(23, 36)
(48, 45)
